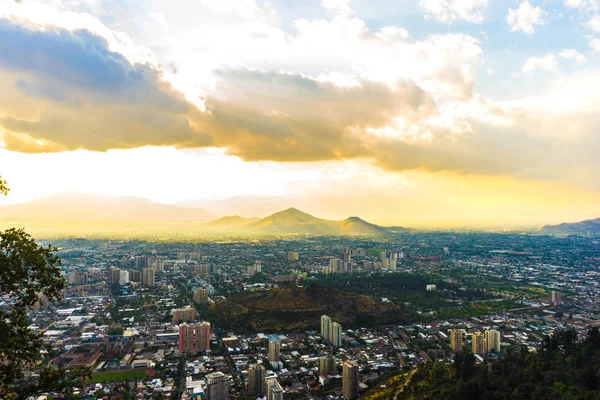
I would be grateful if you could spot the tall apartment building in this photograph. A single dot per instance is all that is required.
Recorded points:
(274, 350)
(326, 327)
(555, 298)
(140, 262)
(114, 275)
(149, 276)
(456, 340)
(336, 334)
(478, 343)
(123, 277)
(194, 337)
(327, 365)
(293, 256)
(202, 269)
(492, 341)
(78, 278)
(217, 386)
(135, 275)
(336, 265)
(274, 389)
(350, 380)
(201, 296)
(186, 314)
(256, 380)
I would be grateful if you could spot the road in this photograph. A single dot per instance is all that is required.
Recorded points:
(406, 383)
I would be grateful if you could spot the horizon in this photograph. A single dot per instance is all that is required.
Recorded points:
(428, 114)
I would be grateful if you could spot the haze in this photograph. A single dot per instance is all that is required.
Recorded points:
(422, 114)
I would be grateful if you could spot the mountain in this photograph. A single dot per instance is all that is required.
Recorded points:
(588, 227)
(227, 223)
(92, 207)
(293, 220)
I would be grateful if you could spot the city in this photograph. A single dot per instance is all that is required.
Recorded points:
(178, 320)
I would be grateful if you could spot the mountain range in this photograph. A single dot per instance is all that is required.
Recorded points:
(84, 214)
(587, 227)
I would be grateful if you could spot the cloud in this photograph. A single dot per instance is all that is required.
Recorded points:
(594, 23)
(546, 63)
(572, 54)
(451, 11)
(338, 7)
(525, 18)
(159, 18)
(67, 90)
(583, 5)
(594, 44)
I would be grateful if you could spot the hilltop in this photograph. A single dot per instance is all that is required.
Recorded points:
(301, 308)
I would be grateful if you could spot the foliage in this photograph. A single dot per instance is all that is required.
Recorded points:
(27, 272)
(561, 369)
(3, 186)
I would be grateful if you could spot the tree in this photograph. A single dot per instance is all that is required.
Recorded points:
(27, 272)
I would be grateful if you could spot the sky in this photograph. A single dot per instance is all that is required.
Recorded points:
(421, 113)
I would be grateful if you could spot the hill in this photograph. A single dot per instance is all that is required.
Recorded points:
(227, 223)
(295, 221)
(588, 227)
(301, 308)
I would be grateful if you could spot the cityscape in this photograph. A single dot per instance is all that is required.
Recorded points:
(299, 200)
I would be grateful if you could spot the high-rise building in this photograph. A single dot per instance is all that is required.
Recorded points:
(78, 278)
(149, 276)
(554, 298)
(256, 380)
(274, 389)
(336, 265)
(186, 314)
(456, 340)
(258, 266)
(113, 275)
(350, 380)
(326, 327)
(123, 277)
(492, 341)
(201, 296)
(140, 262)
(336, 334)
(194, 337)
(135, 275)
(204, 342)
(202, 269)
(274, 350)
(382, 256)
(293, 256)
(217, 386)
(327, 365)
(478, 343)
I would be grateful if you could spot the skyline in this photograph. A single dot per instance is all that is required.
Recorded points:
(438, 113)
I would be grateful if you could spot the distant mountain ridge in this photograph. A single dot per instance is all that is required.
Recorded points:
(587, 227)
(294, 221)
(71, 214)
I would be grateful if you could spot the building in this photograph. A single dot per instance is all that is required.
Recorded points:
(382, 256)
(256, 380)
(135, 275)
(202, 269)
(78, 278)
(555, 298)
(431, 288)
(274, 350)
(335, 265)
(194, 337)
(201, 296)
(140, 262)
(492, 341)
(113, 275)
(336, 334)
(274, 389)
(478, 343)
(456, 340)
(327, 366)
(258, 266)
(350, 380)
(123, 277)
(186, 314)
(204, 343)
(217, 386)
(293, 256)
(149, 276)
(326, 327)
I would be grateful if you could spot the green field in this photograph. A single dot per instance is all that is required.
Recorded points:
(119, 376)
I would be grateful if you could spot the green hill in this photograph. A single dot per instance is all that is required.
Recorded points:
(299, 309)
